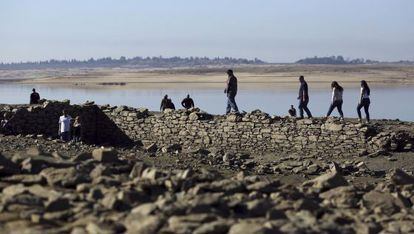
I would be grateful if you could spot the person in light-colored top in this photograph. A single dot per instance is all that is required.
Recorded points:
(64, 126)
(337, 100)
(364, 100)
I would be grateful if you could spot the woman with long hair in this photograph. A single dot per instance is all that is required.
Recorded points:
(337, 100)
(364, 100)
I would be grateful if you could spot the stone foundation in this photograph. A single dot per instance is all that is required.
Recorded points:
(43, 119)
(253, 132)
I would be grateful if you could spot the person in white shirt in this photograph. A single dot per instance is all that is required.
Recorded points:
(337, 100)
(364, 100)
(64, 126)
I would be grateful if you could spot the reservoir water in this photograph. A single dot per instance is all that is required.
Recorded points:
(386, 103)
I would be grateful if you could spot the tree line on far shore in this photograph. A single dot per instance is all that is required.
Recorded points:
(339, 60)
(136, 62)
(178, 62)
(335, 60)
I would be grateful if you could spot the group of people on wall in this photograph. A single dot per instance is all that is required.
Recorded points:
(70, 129)
(303, 97)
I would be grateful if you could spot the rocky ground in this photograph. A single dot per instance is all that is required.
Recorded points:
(51, 187)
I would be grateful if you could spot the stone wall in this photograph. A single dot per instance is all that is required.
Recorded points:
(43, 119)
(253, 132)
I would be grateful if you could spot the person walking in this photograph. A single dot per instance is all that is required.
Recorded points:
(303, 98)
(337, 100)
(34, 97)
(231, 92)
(364, 100)
(64, 126)
(77, 129)
(187, 102)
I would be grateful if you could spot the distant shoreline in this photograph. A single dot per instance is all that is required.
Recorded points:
(263, 75)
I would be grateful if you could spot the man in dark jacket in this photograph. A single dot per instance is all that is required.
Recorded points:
(187, 102)
(303, 98)
(231, 91)
(34, 97)
(164, 103)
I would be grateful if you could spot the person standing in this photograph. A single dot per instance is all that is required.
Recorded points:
(303, 98)
(34, 97)
(187, 102)
(64, 126)
(77, 129)
(364, 100)
(337, 100)
(231, 92)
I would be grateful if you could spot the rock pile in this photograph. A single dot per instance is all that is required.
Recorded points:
(101, 192)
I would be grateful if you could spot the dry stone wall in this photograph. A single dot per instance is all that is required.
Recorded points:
(253, 132)
(42, 119)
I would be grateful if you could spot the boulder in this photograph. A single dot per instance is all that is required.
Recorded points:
(7, 167)
(215, 227)
(137, 170)
(399, 177)
(341, 197)
(143, 224)
(105, 155)
(250, 228)
(65, 177)
(384, 202)
(330, 180)
(152, 148)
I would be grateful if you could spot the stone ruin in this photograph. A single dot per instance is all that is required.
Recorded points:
(97, 128)
(252, 132)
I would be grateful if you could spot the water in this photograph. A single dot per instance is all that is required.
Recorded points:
(386, 103)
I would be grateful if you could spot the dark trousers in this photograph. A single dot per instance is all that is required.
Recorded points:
(231, 103)
(65, 136)
(77, 134)
(303, 106)
(365, 104)
(338, 105)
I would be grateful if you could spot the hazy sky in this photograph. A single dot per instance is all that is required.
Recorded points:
(273, 30)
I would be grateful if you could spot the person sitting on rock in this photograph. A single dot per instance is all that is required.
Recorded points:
(187, 102)
(292, 111)
(77, 129)
(64, 126)
(164, 103)
(170, 104)
(34, 97)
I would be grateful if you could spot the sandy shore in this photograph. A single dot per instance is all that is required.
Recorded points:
(268, 76)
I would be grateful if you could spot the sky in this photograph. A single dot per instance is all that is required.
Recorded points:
(272, 30)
